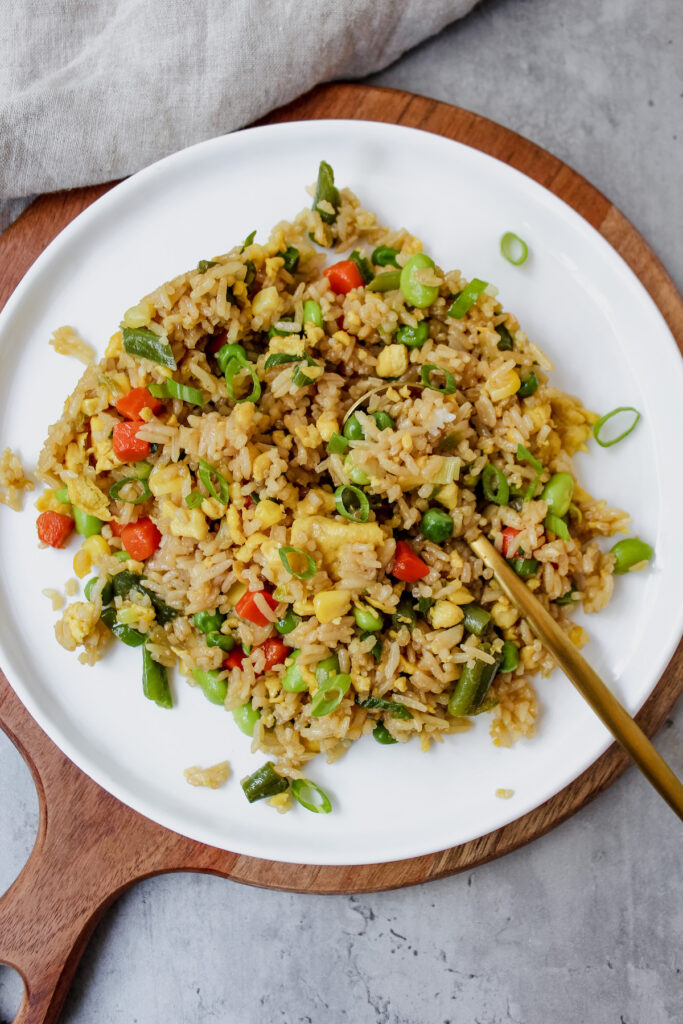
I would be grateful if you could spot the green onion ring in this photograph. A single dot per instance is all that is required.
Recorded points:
(301, 379)
(599, 424)
(115, 490)
(466, 299)
(524, 455)
(280, 359)
(310, 569)
(426, 372)
(184, 392)
(232, 370)
(557, 525)
(330, 694)
(301, 788)
(194, 499)
(205, 472)
(361, 513)
(510, 243)
(494, 484)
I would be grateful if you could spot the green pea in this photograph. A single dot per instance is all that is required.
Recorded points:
(528, 387)
(382, 735)
(107, 594)
(524, 567)
(384, 256)
(208, 622)
(436, 525)
(288, 622)
(420, 295)
(353, 430)
(413, 337)
(222, 640)
(510, 654)
(213, 688)
(86, 525)
(355, 474)
(228, 352)
(630, 552)
(383, 420)
(326, 668)
(292, 679)
(558, 493)
(246, 717)
(367, 618)
(313, 314)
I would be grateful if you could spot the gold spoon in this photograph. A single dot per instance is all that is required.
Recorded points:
(587, 682)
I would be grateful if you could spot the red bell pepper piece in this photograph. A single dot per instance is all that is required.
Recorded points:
(508, 535)
(343, 277)
(408, 566)
(132, 404)
(247, 608)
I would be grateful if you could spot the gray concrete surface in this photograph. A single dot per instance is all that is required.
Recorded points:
(584, 925)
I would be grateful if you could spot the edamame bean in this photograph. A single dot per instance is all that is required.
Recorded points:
(208, 622)
(416, 293)
(436, 525)
(292, 679)
(629, 552)
(246, 716)
(558, 493)
(367, 618)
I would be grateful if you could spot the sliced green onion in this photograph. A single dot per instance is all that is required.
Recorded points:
(194, 499)
(138, 341)
(494, 484)
(524, 455)
(384, 256)
(450, 471)
(281, 359)
(424, 604)
(206, 471)
(528, 387)
(387, 282)
(310, 569)
(376, 650)
(248, 240)
(330, 694)
(364, 268)
(299, 377)
(557, 525)
(344, 498)
(413, 337)
(233, 370)
(310, 796)
(513, 248)
(397, 709)
(228, 352)
(115, 490)
(599, 424)
(184, 392)
(467, 297)
(337, 445)
(158, 390)
(313, 314)
(568, 598)
(291, 257)
(506, 343)
(382, 735)
(426, 371)
(524, 567)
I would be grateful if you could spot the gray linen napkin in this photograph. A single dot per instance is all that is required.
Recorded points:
(92, 90)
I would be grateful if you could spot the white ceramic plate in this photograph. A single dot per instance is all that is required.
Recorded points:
(575, 297)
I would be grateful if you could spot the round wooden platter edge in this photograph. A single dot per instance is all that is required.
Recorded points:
(148, 848)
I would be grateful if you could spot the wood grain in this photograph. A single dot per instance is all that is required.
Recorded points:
(90, 847)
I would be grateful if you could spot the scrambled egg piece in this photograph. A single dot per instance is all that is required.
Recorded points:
(87, 496)
(331, 535)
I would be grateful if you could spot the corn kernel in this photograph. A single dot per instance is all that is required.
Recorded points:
(327, 426)
(304, 607)
(265, 302)
(445, 614)
(82, 563)
(457, 563)
(503, 385)
(115, 346)
(89, 406)
(578, 636)
(262, 464)
(448, 496)
(331, 604)
(392, 361)
(138, 316)
(504, 614)
(97, 548)
(269, 513)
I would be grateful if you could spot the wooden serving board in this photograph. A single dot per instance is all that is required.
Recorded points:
(90, 847)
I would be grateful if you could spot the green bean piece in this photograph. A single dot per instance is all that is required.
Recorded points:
(384, 256)
(390, 281)
(310, 796)
(326, 668)
(313, 314)
(630, 552)
(524, 567)
(208, 622)
(288, 622)
(353, 430)
(123, 582)
(413, 337)
(326, 191)
(416, 293)
(138, 341)
(382, 735)
(263, 783)
(222, 640)
(383, 420)
(466, 299)
(477, 620)
(528, 387)
(506, 343)
(228, 352)
(510, 654)
(106, 594)
(292, 679)
(213, 688)
(155, 681)
(355, 473)
(558, 493)
(376, 650)
(127, 634)
(337, 445)
(397, 709)
(85, 524)
(245, 717)
(364, 268)
(164, 613)
(436, 525)
(405, 614)
(291, 257)
(494, 484)
(473, 685)
(367, 618)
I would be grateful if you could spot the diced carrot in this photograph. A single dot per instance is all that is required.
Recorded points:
(54, 528)
(275, 651)
(141, 539)
(247, 608)
(234, 659)
(128, 447)
(508, 535)
(408, 566)
(343, 277)
(116, 528)
(132, 404)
